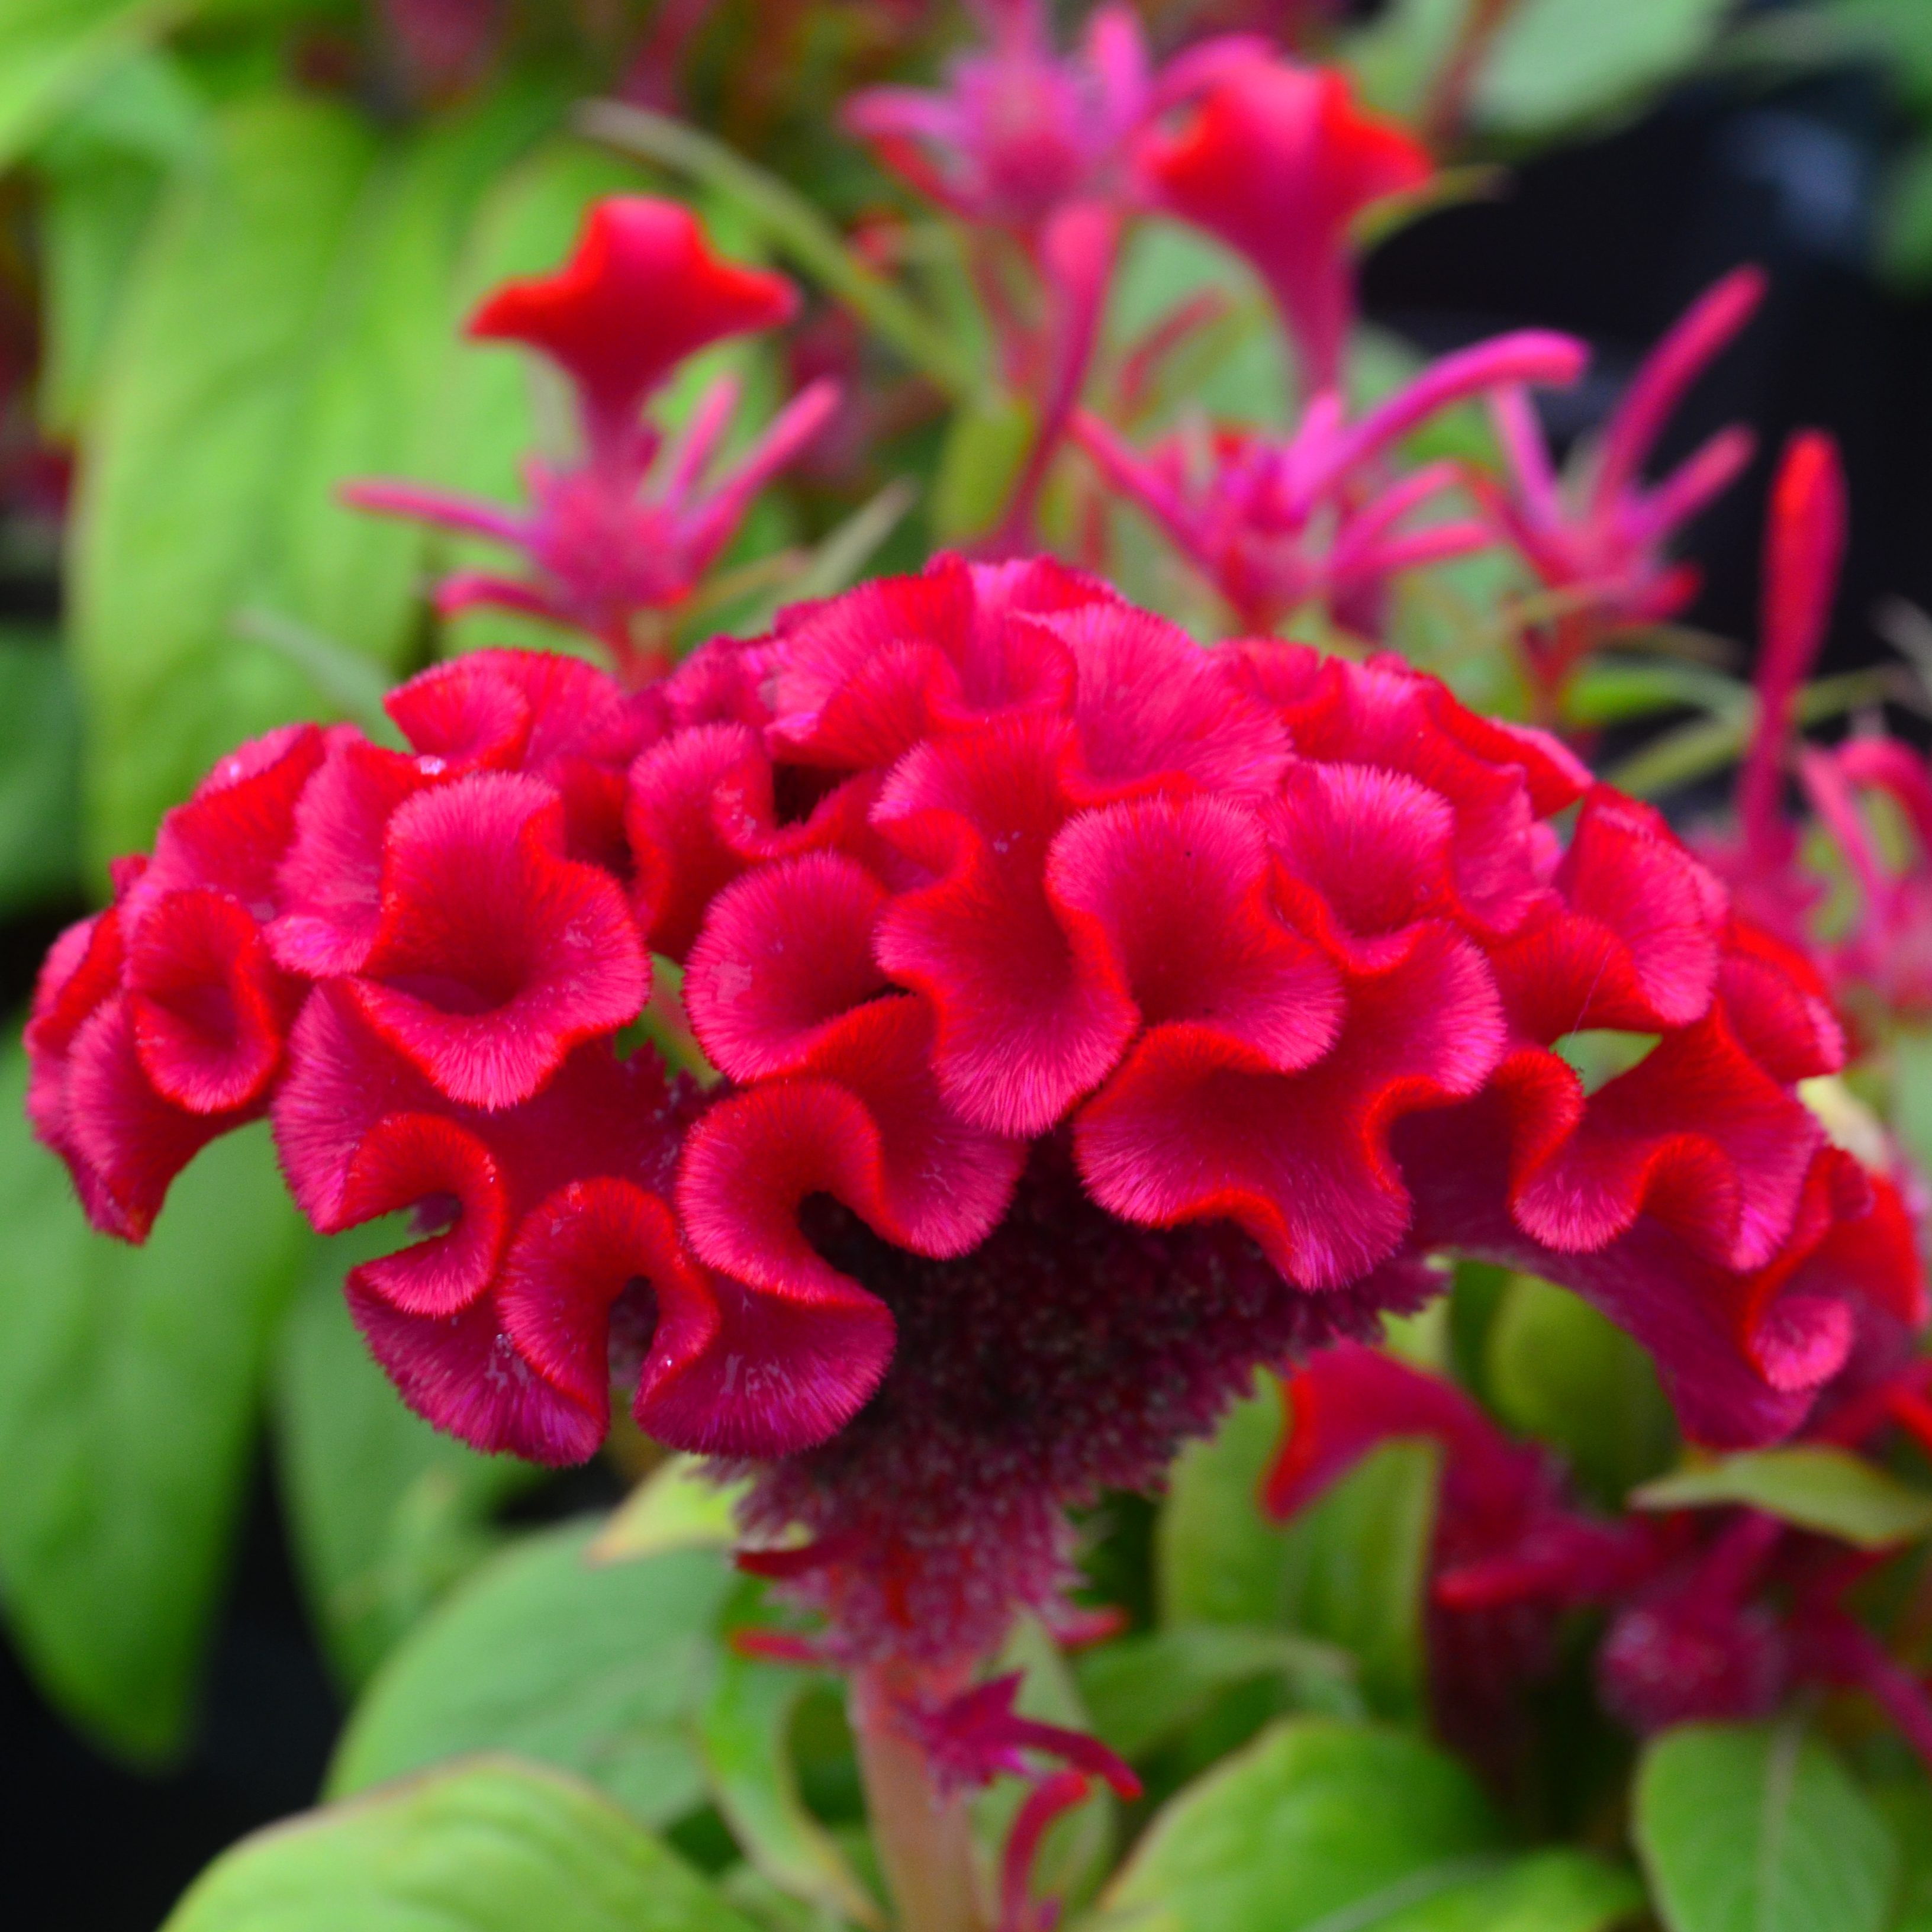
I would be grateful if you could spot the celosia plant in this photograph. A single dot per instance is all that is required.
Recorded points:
(924, 1059)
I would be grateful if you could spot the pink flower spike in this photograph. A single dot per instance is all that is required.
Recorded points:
(978, 1736)
(1692, 343)
(1802, 554)
(1276, 159)
(641, 291)
(1019, 131)
(1052, 1796)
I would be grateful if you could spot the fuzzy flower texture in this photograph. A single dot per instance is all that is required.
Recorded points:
(1099, 1016)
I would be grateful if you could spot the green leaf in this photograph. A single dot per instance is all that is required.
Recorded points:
(494, 1847)
(385, 1513)
(676, 1506)
(1145, 1689)
(286, 325)
(128, 1381)
(1556, 1369)
(986, 445)
(1322, 1825)
(1611, 691)
(1816, 1486)
(597, 1669)
(102, 171)
(1911, 1109)
(40, 774)
(1350, 1571)
(742, 1730)
(1757, 1829)
(1217, 1559)
(52, 51)
(1557, 63)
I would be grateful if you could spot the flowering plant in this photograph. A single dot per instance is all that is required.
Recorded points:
(906, 1042)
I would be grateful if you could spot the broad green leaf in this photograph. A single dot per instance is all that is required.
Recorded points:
(1557, 1370)
(52, 51)
(676, 1506)
(1906, 1805)
(1217, 1559)
(1320, 1824)
(491, 1846)
(101, 172)
(1816, 1486)
(1143, 1689)
(1556, 63)
(128, 1387)
(742, 1730)
(1750, 1828)
(1611, 691)
(1350, 1571)
(597, 1669)
(386, 1512)
(40, 774)
(286, 325)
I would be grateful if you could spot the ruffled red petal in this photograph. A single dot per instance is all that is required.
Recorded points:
(209, 1007)
(495, 954)
(1187, 1131)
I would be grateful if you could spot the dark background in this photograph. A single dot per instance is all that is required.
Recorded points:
(1611, 241)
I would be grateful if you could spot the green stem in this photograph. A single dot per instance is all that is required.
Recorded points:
(794, 226)
(924, 1838)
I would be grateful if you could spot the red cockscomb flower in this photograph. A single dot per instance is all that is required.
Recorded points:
(1277, 161)
(1099, 1017)
(633, 527)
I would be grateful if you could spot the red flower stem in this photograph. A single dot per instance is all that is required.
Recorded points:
(924, 1837)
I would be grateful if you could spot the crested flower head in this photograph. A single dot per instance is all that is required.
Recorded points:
(641, 292)
(631, 527)
(1277, 159)
(1098, 1018)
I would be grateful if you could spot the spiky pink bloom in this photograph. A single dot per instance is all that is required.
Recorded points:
(1099, 1017)
(1604, 554)
(1020, 131)
(1712, 1614)
(1277, 159)
(632, 527)
(1275, 524)
(1882, 957)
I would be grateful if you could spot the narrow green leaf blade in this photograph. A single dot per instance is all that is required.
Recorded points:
(598, 1669)
(128, 1388)
(1756, 1827)
(1815, 1485)
(492, 1846)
